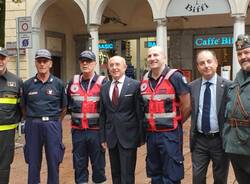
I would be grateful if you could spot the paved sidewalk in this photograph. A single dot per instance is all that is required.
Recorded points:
(19, 168)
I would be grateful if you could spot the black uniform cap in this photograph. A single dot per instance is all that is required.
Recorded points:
(43, 53)
(87, 55)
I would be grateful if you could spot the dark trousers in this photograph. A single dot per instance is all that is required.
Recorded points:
(123, 162)
(86, 144)
(241, 166)
(164, 162)
(208, 149)
(7, 147)
(48, 134)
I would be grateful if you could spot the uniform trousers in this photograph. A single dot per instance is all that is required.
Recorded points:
(164, 161)
(7, 147)
(241, 166)
(40, 133)
(86, 144)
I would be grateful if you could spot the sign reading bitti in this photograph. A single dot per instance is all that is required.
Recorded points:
(197, 7)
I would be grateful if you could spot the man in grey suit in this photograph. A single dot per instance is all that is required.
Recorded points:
(208, 107)
(121, 121)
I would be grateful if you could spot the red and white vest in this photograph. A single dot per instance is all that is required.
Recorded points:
(84, 110)
(161, 106)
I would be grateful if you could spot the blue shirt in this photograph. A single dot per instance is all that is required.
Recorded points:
(213, 111)
(43, 99)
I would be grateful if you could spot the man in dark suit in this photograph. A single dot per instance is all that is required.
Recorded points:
(120, 121)
(207, 119)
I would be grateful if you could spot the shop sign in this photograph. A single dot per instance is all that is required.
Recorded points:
(211, 41)
(197, 7)
(106, 46)
(149, 44)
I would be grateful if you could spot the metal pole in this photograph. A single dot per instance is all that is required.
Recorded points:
(88, 30)
(17, 48)
(17, 65)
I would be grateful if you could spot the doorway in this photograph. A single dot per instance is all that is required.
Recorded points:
(56, 67)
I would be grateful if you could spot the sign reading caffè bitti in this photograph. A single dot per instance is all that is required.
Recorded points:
(197, 7)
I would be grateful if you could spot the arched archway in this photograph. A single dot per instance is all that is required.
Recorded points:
(55, 23)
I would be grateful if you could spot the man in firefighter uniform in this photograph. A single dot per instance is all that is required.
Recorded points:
(44, 103)
(237, 128)
(83, 97)
(9, 115)
(166, 97)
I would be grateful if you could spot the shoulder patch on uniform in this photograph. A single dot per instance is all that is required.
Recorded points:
(144, 86)
(74, 88)
(184, 80)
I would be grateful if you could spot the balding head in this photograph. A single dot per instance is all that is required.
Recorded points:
(156, 58)
(117, 67)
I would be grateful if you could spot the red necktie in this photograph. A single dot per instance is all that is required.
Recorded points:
(115, 94)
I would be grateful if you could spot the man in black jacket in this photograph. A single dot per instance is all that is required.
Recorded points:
(120, 121)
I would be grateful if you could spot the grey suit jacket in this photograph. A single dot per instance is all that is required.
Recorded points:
(221, 92)
(123, 122)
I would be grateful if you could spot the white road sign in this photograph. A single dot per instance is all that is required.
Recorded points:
(24, 25)
(25, 40)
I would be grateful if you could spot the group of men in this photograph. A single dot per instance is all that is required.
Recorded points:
(121, 114)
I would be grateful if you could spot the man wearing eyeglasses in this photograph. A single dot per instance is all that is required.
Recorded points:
(83, 98)
(237, 129)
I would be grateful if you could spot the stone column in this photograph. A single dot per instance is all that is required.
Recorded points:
(31, 52)
(161, 34)
(93, 31)
(239, 28)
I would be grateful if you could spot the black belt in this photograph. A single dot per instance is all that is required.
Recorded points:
(209, 135)
(45, 118)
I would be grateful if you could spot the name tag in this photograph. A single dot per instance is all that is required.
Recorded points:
(11, 84)
(33, 93)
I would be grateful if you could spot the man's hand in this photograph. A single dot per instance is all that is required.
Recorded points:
(104, 145)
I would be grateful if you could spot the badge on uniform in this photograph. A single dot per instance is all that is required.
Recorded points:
(144, 86)
(49, 92)
(74, 88)
(11, 84)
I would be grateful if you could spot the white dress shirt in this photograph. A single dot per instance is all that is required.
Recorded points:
(119, 85)
(214, 126)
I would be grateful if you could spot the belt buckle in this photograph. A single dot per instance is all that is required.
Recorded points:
(45, 118)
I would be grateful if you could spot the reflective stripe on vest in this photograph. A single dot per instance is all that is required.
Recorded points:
(88, 115)
(161, 115)
(160, 96)
(8, 127)
(89, 98)
(9, 100)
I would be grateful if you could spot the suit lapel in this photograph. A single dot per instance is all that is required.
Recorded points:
(107, 92)
(220, 91)
(197, 89)
(124, 90)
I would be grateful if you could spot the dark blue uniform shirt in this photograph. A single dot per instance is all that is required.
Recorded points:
(43, 99)
(177, 80)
